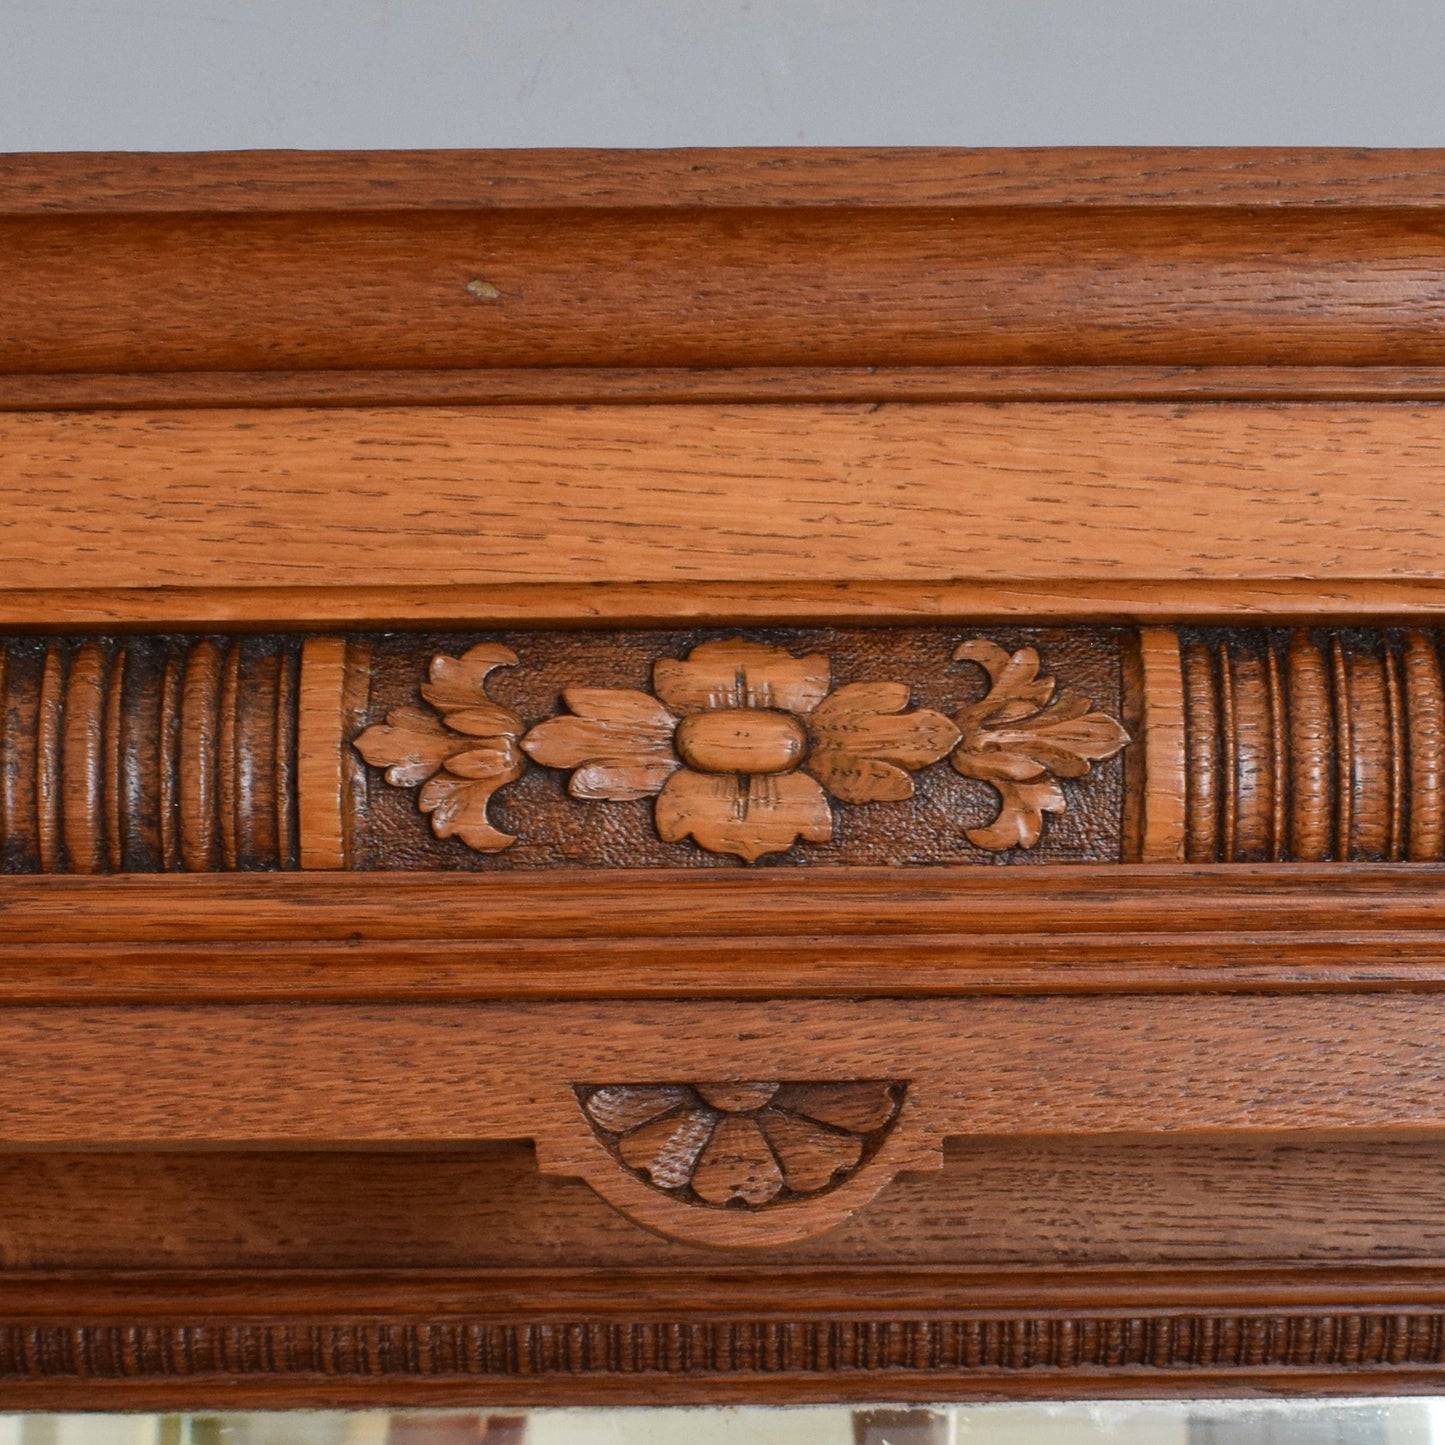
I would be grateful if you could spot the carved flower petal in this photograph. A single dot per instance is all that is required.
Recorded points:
(619, 739)
(458, 689)
(633, 712)
(994, 765)
(411, 745)
(1062, 739)
(569, 742)
(1069, 744)
(489, 719)
(861, 1107)
(859, 780)
(738, 674)
(458, 808)
(912, 740)
(811, 1156)
(619, 1108)
(868, 743)
(619, 779)
(737, 1164)
(738, 1096)
(844, 707)
(1020, 822)
(1022, 717)
(747, 817)
(668, 1148)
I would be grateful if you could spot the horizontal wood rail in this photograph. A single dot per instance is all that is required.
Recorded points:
(838, 933)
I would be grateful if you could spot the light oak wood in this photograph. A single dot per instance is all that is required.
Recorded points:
(592, 386)
(985, 258)
(205, 1074)
(320, 744)
(1338, 601)
(1158, 785)
(1030, 494)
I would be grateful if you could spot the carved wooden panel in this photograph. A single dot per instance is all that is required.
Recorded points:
(304, 1360)
(900, 746)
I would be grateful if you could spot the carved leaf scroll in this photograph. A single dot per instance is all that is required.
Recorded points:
(1022, 738)
(460, 760)
(743, 1145)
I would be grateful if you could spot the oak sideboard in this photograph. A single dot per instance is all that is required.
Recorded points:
(721, 776)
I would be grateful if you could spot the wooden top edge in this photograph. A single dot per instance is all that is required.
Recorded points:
(251, 181)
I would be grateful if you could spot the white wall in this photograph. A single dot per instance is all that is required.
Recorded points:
(220, 74)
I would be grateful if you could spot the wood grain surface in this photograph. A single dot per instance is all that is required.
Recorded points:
(205, 1074)
(662, 386)
(708, 288)
(1008, 1203)
(921, 494)
(697, 259)
(1337, 601)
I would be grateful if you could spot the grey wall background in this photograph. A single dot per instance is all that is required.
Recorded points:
(222, 74)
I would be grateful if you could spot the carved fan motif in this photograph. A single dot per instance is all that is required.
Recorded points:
(744, 1145)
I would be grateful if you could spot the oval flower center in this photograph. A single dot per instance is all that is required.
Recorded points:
(741, 740)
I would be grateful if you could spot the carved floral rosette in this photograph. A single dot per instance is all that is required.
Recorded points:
(744, 747)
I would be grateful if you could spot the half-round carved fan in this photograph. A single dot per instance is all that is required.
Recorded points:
(743, 1145)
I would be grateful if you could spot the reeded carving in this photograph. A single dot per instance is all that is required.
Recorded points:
(743, 1145)
(1314, 745)
(1259, 1348)
(739, 743)
(461, 760)
(144, 755)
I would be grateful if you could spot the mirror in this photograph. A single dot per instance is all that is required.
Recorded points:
(1130, 1422)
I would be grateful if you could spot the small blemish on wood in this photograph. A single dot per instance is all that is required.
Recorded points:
(483, 290)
